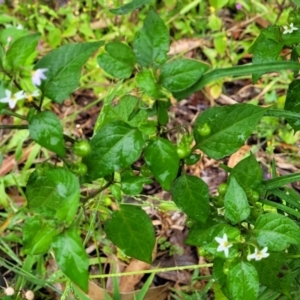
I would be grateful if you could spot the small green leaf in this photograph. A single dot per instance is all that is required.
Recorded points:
(217, 4)
(292, 102)
(230, 127)
(18, 53)
(151, 43)
(129, 7)
(71, 257)
(191, 195)
(46, 130)
(163, 161)
(133, 185)
(121, 111)
(236, 204)
(118, 60)
(248, 173)
(276, 231)
(274, 272)
(116, 145)
(59, 195)
(131, 230)
(38, 234)
(180, 74)
(64, 68)
(243, 281)
(162, 112)
(265, 50)
(147, 83)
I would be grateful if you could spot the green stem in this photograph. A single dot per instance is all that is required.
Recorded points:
(92, 195)
(282, 207)
(69, 139)
(14, 127)
(158, 270)
(11, 113)
(281, 181)
(282, 114)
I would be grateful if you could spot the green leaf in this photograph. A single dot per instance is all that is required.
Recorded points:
(71, 257)
(118, 60)
(204, 236)
(217, 4)
(191, 195)
(163, 161)
(180, 74)
(248, 173)
(276, 231)
(46, 130)
(265, 50)
(116, 145)
(236, 204)
(274, 272)
(64, 69)
(243, 281)
(20, 50)
(121, 111)
(133, 185)
(162, 112)
(38, 234)
(129, 7)
(151, 43)
(131, 230)
(230, 127)
(292, 102)
(59, 195)
(147, 83)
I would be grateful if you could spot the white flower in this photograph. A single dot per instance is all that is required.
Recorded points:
(9, 291)
(224, 245)
(20, 27)
(37, 76)
(259, 254)
(12, 99)
(289, 28)
(32, 95)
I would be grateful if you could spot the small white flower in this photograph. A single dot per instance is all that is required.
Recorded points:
(38, 75)
(32, 95)
(9, 291)
(12, 99)
(224, 245)
(20, 27)
(259, 254)
(289, 28)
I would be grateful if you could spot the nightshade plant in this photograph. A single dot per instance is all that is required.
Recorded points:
(251, 228)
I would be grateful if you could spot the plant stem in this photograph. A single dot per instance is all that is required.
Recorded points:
(282, 207)
(14, 127)
(92, 195)
(11, 113)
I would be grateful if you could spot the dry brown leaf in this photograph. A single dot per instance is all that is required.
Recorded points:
(238, 156)
(127, 283)
(186, 45)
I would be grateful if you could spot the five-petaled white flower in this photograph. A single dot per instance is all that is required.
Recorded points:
(289, 28)
(259, 254)
(224, 245)
(12, 99)
(30, 96)
(38, 75)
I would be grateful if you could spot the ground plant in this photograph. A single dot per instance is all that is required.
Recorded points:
(248, 231)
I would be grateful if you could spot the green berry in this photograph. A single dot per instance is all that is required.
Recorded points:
(222, 188)
(183, 150)
(79, 169)
(82, 148)
(192, 159)
(204, 129)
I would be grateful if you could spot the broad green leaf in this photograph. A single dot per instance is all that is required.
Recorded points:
(151, 43)
(276, 231)
(265, 50)
(133, 185)
(292, 102)
(121, 111)
(297, 2)
(274, 272)
(218, 271)
(116, 145)
(64, 68)
(129, 7)
(59, 195)
(248, 173)
(230, 127)
(147, 83)
(180, 74)
(243, 281)
(38, 234)
(18, 53)
(162, 112)
(163, 161)
(12, 34)
(46, 130)
(71, 257)
(191, 195)
(118, 60)
(236, 204)
(201, 235)
(131, 230)
(290, 39)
